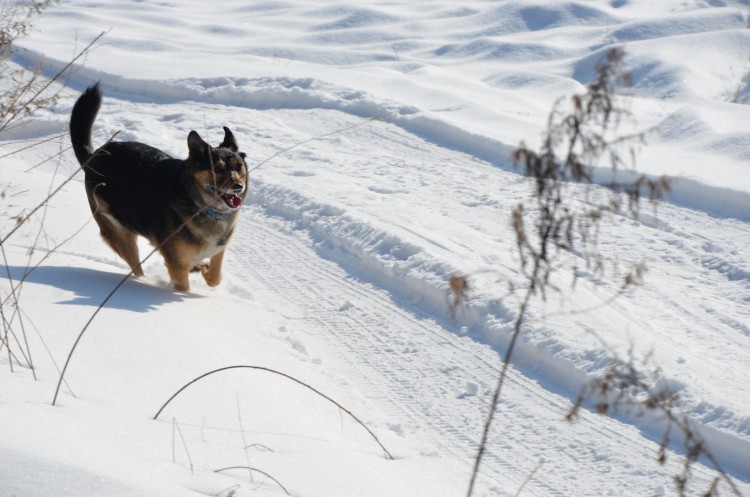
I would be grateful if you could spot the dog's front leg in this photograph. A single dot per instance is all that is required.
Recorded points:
(212, 275)
(179, 275)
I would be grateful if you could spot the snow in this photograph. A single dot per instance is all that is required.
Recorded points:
(380, 134)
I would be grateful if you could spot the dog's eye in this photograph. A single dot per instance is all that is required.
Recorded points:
(234, 165)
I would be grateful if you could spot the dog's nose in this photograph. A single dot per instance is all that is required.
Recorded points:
(238, 186)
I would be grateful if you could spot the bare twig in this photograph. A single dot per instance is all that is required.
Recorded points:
(277, 482)
(176, 425)
(529, 478)
(289, 377)
(498, 389)
(625, 386)
(315, 138)
(244, 440)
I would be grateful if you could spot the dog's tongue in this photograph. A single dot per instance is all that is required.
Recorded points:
(231, 200)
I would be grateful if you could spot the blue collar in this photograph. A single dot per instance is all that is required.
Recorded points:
(217, 214)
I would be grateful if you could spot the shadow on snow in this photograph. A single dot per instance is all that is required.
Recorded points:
(92, 286)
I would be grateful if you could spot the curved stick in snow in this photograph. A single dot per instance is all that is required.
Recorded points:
(273, 371)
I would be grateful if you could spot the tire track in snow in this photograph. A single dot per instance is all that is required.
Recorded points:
(680, 243)
(430, 383)
(374, 340)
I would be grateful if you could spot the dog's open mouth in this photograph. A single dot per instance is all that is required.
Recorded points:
(231, 200)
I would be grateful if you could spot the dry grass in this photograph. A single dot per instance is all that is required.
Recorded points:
(581, 134)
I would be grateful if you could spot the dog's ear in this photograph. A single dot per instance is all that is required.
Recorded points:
(197, 147)
(230, 141)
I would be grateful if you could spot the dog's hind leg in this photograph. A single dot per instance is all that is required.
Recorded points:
(118, 237)
(121, 239)
(178, 256)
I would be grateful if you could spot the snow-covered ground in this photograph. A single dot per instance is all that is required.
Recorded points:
(403, 115)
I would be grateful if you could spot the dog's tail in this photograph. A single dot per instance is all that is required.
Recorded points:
(82, 121)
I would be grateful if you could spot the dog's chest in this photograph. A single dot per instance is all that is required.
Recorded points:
(212, 237)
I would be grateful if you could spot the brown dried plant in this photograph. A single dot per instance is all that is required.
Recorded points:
(16, 86)
(580, 136)
(636, 389)
(575, 142)
(458, 292)
(24, 92)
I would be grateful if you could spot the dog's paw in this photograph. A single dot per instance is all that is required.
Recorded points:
(212, 280)
(181, 286)
(200, 268)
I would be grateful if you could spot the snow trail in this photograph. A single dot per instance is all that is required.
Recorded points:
(339, 268)
(432, 384)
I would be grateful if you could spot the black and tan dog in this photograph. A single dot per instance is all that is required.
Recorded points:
(186, 208)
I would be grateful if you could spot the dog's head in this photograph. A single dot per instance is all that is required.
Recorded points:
(220, 173)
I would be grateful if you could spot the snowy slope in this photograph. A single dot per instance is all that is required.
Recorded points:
(338, 272)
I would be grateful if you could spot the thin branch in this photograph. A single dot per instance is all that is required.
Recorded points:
(277, 482)
(498, 389)
(35, 144)
(85, 51)
(259, 446)
(315, 138)
(175, 424)
(50, 196)
(48, 252)
(289, 377)
(242, 432)
(528, 479)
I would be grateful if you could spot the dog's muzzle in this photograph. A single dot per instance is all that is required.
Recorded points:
(230, 196)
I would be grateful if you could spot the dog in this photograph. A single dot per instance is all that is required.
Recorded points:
(187, 209)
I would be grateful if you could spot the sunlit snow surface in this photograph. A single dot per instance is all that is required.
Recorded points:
(338, 272)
